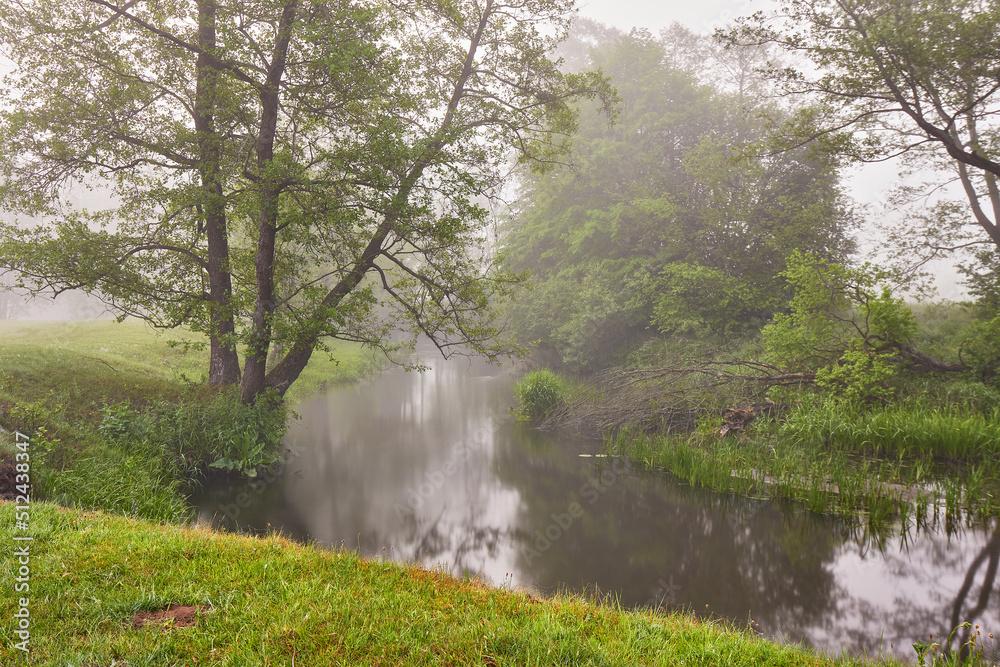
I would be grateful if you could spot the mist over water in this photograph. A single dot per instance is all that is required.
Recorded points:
(431, 468)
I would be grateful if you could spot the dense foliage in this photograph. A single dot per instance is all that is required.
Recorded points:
(844, 324)
(279, 173)
(674, 219)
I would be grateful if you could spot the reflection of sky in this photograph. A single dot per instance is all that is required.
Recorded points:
(906, 593)
(432, 468)
(409, 459)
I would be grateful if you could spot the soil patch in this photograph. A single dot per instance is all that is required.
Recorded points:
(174, 616)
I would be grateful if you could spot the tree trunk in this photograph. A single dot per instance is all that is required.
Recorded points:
(224, 365)
(291, 366)
(254, 384)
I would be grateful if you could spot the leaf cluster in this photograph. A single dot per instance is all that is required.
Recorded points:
(674, 220)
(844, 323)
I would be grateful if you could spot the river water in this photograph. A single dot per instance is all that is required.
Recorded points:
(430, 467)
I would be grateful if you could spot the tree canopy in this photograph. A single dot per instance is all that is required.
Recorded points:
(918, 78)
(674, 219)
(279, 172)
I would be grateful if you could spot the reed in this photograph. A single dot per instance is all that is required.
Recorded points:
(908, 430)
(880, 480)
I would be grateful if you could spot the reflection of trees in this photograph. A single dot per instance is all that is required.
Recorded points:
(989, 554)
(464, 548)
(649, 540)
(934, 584)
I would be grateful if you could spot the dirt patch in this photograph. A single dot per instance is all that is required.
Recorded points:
(7, 477)
(174, 616)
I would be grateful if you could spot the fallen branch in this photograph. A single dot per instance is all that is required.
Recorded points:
(674, 398)
(668, 398)
(920, 360)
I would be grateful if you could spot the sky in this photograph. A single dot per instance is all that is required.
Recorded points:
(702, 16)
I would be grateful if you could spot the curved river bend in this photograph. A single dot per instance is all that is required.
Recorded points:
(430, 467)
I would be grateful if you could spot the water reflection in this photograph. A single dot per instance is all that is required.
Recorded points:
(430, 467)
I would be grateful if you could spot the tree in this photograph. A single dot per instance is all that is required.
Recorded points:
(339, 155)
(670, 220)
(97, 98)
(844, 326)
(917, 78)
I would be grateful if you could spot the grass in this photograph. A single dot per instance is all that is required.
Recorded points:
(121, 418)
(129, 361)
(933, 446)
(907, 463)
(538, 393)
(899, 430)
(270, 601)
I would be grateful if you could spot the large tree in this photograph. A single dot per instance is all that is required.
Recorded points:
(281, 172)
(96, 99)
(669, 220)
(918, 78)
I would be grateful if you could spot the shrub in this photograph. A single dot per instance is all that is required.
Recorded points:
(220, 433)
(538, 393)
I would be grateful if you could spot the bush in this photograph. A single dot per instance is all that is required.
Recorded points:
(221, 433)
(844, 324)
(538, 393)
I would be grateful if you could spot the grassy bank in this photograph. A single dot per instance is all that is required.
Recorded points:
(269, 601)
(931, 453)
(121, 418)
(129, 359)
(902, 462)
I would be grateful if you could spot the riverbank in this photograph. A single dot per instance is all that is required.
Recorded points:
(899, 463)
(97, 571)
(94, 579)
(917, 446)
(883, 493)
(121, 418)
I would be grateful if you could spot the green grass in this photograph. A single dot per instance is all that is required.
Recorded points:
(275, 602)
(907, 430)
(93, 362)
(538, 393)
(122, 419)
(902, 462)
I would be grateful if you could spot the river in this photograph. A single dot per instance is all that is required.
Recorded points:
(430, 467)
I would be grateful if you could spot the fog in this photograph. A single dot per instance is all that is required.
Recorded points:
(72, 305)
(701, 17)
(868, 185)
